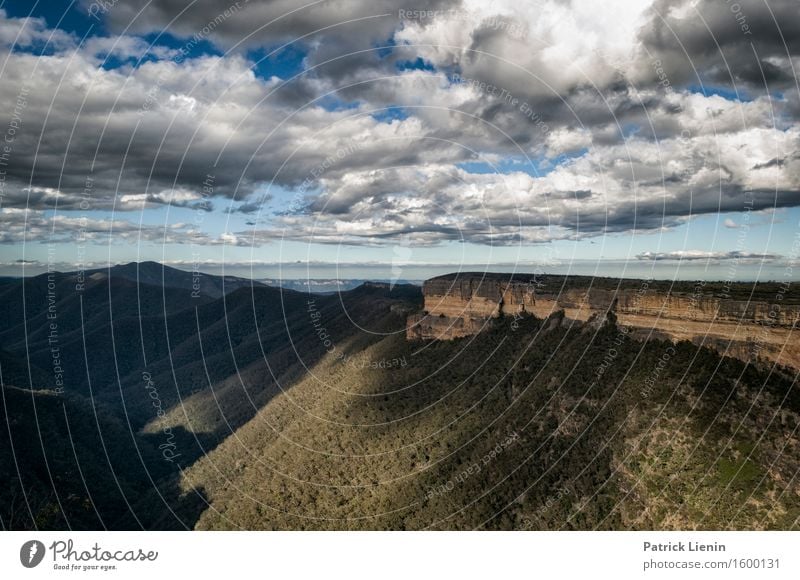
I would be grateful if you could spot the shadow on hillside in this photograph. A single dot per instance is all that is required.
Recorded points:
(74, 456)
(66, 468)
(238, 382)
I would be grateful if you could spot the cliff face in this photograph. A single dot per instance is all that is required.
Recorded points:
(739, 321)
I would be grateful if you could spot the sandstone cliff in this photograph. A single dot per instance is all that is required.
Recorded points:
(748, 321)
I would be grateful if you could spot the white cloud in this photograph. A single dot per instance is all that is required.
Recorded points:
(692, 255)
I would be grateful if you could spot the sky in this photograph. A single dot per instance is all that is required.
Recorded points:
(356, 139)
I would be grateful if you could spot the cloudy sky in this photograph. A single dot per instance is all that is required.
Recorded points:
(366, 139)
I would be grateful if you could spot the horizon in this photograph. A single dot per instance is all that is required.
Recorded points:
(438, 270)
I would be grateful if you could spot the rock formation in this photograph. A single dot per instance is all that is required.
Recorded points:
(748, 321)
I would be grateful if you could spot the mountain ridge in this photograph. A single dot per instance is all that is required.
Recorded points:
(749, 321)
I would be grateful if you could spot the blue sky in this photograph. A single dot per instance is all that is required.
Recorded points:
(374, 158)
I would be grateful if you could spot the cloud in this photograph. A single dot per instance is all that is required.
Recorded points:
(659, 185)
(49, 198)
(98, 129)
(748, 42)
(264, 23)
(32, 33)
(693, 255)
(251, 206)
(577, 132)
(29, 226)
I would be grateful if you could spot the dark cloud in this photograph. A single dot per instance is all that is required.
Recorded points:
(749, 42)
(250, 207)
(27, 226)
(327, 29)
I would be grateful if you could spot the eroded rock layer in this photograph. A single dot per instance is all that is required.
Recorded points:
(745, 320)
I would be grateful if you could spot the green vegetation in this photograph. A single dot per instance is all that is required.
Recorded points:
(68, 464)
(407, 448)
(752, 291)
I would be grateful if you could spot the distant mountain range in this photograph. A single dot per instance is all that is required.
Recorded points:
(329, 285)
(134, 399)
(155, 274)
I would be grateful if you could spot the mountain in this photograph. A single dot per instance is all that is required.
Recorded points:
(329, 285)
(70, 300)
(195, 282)
(750, 321)
(267, 408)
